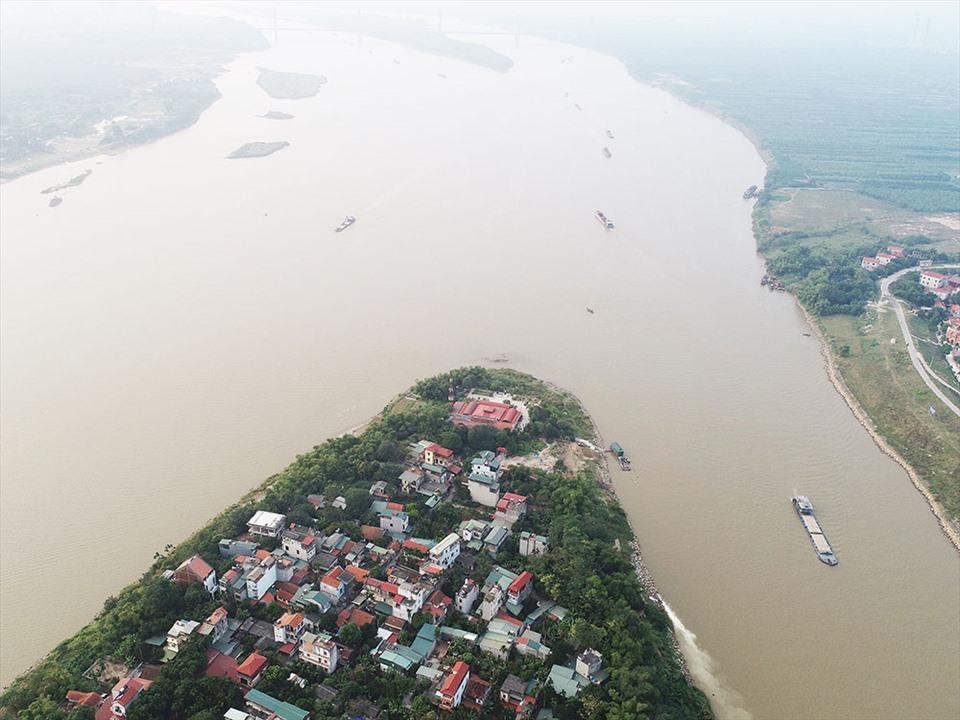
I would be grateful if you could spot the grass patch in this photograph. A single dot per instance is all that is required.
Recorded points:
(881, 377)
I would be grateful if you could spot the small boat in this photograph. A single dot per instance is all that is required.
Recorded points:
(751, 192)
(609, 134)
(607, 153)
(618, 451)
(347, 222)
(604, 220)
(590, 310)
(804, 508)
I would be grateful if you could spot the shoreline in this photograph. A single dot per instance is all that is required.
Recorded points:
(947, 527)
(861, 415)
(640, 567)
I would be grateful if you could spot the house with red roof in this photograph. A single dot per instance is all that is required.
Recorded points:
(251, 670)
(300, 542)
(122, 696)
(214, 626)
(451, 690)
(945, 291)
(193, 571)
(869, 263)
(511, 507)
(221, 665)
(932, 280)
(437, 605)
(471, 413)
(520, 588)
(289, 628)
(438, 455)
(334, 583)
(885, 258)
(78, 698)
(895, 250)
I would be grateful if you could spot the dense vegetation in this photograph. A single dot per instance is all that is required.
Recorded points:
(586, 570)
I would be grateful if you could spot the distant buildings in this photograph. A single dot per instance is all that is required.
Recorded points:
(932, 280)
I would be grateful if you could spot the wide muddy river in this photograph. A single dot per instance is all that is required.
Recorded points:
(183, 324)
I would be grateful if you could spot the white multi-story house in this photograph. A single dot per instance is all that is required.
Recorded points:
(300, 542)
(289, 627)
(319, 649)
(179, 633)
(445, 552)
(394, 520)
(492, 603)
(533, 544)
(932, 280)
(266, 523)
(261, 578)
(467, 596)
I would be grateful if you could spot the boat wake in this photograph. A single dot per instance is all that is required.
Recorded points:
(726, 702)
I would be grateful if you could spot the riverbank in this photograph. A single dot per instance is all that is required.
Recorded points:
(949, 524)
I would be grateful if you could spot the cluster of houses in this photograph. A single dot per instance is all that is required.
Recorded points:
(882, 258)
(387, 578)
(940, 285)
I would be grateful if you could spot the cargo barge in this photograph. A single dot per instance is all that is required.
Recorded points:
(804, 508)
(603, 220)
(618, 452)
(347, 222)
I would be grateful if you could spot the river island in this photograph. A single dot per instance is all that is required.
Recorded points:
(257, 149)
(464, 549)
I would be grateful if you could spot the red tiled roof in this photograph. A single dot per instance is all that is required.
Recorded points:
(440, 450)
(409, 544)
(86, 699)
(286, 648)
(252, 666)
(292, 620)
(933, 274)
(370, 532)
(509, 619)
(394, 506)
(454, 680)
(220, 665)
(196, 566)
(522, 580)
(130, 688)
(217, 615)
(358, 572)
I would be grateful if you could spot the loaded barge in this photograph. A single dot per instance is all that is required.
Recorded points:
(603, 220)
(617, 449)
(804, 508)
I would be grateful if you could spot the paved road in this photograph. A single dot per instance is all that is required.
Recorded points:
(915, 357)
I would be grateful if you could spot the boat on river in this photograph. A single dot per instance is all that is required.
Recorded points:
(604, 220)
(610, 134)
(347, 222)
(606, 152)
(618, 452)
(804, 508)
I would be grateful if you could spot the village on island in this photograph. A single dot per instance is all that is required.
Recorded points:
(384, 582)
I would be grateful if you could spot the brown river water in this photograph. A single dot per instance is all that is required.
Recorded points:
(182, 325)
